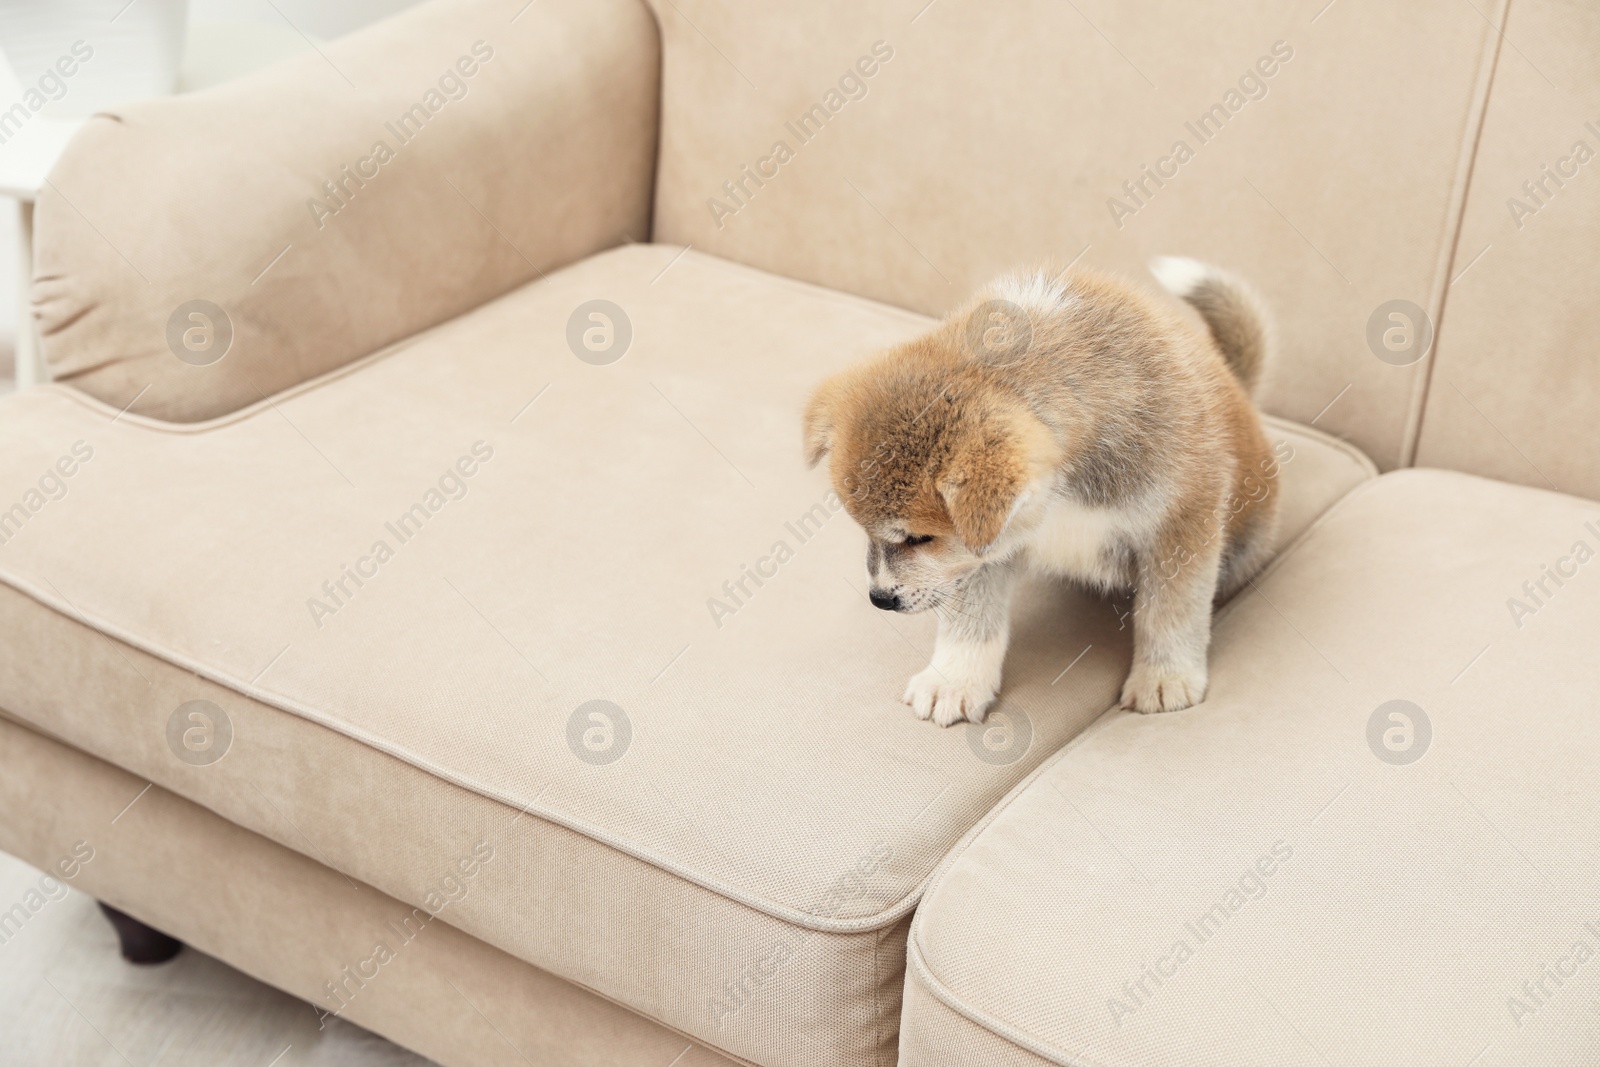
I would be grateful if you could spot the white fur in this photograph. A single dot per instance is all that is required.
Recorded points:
(961, 682)
(1179, 275)
(1074, 540)
(1080, 542)
(1035, 291)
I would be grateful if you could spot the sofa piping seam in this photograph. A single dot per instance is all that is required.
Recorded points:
(983, 1020)
(1472, 140)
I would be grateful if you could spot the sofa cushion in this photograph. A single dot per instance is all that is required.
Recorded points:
(403, 587)
(1288, 874)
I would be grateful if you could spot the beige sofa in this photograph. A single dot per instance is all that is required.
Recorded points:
(481, 662)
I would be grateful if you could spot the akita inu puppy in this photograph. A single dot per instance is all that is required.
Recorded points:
(1065, 421)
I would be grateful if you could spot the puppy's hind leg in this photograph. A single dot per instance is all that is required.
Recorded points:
(1172, 626)
(1245, 559)
(974, 630)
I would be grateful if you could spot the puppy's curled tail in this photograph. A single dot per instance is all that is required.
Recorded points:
(1236, 315)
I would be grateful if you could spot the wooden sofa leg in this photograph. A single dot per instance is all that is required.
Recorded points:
(141, 943)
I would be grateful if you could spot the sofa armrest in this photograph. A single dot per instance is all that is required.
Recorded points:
(202, 252)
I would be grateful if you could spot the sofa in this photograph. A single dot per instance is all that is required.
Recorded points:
(412, 592)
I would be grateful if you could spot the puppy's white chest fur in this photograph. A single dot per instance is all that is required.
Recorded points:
(1092, 545)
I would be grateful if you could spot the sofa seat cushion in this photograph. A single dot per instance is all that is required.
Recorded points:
(1300, 871)
(476, 593)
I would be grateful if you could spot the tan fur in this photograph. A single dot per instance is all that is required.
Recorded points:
(1067, 421)
(1232, 310)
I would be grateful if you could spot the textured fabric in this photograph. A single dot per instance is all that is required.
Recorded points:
(294, 923)
(743, 869)
(1287, 875)
(1516, 387)
(200, 252)
(991, 136)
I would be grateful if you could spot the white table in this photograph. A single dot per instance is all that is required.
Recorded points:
(25, 160)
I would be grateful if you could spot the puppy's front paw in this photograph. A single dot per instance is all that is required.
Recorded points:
(1150, 689)
(947, 698)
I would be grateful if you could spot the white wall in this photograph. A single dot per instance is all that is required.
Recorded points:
(320, 19)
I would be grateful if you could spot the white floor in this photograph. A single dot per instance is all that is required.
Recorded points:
(67, 998)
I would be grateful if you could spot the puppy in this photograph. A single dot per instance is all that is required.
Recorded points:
(1066, 422)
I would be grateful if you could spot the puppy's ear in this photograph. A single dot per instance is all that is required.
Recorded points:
(820, 420)
(995, 470)
(981, 506)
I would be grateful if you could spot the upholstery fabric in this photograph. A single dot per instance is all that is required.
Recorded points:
(734, 848)
(1286, 874)
(335, 203)
(1330, 168)
(294, 923)
(1516, 387)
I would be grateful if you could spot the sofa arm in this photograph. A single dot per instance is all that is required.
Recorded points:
(198, 253)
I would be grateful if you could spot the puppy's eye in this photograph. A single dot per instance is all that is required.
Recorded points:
(917, 539)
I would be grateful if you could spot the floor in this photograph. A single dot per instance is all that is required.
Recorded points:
(67, 997)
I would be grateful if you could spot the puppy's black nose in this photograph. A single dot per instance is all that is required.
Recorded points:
(886, 601)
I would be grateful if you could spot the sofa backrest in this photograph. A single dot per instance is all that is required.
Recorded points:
(1515, 391)
(908, 151)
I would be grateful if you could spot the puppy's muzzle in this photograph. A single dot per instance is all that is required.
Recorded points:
(885, 601)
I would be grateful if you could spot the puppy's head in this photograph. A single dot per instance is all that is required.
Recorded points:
(937, 460)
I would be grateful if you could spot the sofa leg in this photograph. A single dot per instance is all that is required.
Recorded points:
(141, 943)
